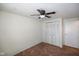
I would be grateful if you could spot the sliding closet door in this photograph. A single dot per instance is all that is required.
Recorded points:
(54, 33)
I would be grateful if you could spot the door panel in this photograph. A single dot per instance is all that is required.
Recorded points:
(53, 33)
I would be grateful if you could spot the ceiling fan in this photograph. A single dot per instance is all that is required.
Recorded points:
(43, 14)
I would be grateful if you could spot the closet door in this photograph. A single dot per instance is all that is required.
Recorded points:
(54, 34)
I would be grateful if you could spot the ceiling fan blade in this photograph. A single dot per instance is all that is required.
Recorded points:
(50, 13)
(35, 15)
(42, 12)
(48, 16)
(39, 11)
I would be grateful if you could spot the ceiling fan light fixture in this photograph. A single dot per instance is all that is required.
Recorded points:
(42, 16)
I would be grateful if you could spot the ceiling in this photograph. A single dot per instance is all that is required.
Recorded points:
(65, 10)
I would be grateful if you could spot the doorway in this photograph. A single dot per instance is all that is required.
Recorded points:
(53, 32)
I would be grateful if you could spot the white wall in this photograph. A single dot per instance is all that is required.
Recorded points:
(58, 35)
(18, 33)
(71, 32)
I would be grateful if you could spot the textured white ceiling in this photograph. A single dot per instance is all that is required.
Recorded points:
(66, 10)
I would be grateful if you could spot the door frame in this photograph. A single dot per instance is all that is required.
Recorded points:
(61, 28)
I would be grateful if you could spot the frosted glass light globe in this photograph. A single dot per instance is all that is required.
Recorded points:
(42, 16)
